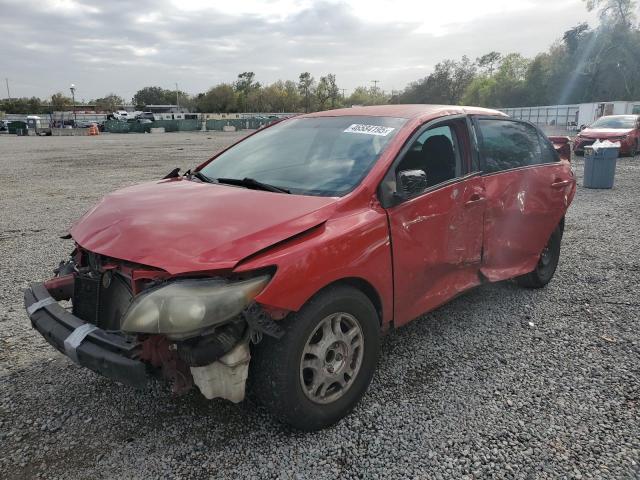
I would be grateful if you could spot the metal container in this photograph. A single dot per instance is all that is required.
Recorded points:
(600, 167)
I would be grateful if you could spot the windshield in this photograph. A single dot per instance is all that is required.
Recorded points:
(325, 156)
(626, 121)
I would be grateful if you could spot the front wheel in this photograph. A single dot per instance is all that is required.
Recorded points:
(319, 370)
(547, 263)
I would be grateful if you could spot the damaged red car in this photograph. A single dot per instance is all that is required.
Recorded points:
(615, 128)
(277, 264)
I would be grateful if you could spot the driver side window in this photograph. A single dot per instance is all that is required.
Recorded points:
(436, 152)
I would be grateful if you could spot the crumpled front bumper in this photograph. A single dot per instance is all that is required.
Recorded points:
(579, 143)
(108, 354)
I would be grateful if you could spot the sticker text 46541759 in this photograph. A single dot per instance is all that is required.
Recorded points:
(369, 129)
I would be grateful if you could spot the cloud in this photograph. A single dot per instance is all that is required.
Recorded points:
(120, 46)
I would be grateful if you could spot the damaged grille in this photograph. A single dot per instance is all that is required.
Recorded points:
(101, 299)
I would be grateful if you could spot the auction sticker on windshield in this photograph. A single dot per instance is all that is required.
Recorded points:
(369, 129)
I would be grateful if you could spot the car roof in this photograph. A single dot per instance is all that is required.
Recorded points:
(406, 111)
(631, 115)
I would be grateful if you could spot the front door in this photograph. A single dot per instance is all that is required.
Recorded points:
(436, 235)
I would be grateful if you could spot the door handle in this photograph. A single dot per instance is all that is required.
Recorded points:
(561, 183)
(475, 198)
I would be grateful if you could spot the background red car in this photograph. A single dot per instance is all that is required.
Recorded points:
(616, 128)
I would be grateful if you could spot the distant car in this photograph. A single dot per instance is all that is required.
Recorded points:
(4, 125)
(297, 247)
(615, 128)
(146, 116)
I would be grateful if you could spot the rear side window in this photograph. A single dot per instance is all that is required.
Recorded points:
(505, 144)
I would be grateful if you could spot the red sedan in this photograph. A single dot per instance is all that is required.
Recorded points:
(616, 128)
(280, 261)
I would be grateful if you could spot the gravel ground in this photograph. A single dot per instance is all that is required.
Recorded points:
(500, 383)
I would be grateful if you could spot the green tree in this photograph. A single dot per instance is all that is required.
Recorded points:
(446, 84)
(618, 12)
(281, 97)
(23, 106)
(246, 86)
(322, 93)
(305, 87)
(480, 91)
(292, 99)
(60, 102)
(332, 89)
(246, 82)
(109, 103)
(489, 62)
(220, 99)
(155, 96)
(367, 96)
(510, 86)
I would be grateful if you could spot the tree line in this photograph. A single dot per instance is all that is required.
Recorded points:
(585, 65)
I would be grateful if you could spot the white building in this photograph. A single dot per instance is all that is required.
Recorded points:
(569, 118)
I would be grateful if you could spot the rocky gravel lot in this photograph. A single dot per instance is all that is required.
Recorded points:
(500, 383)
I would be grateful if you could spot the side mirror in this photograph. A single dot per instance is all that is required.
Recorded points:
(410, 183)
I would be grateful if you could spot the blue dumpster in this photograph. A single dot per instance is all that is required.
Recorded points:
(600, 166)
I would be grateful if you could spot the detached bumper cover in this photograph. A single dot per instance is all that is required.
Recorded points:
(108, 354)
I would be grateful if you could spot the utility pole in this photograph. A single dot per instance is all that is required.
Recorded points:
(177, 101)
(375, 84)
(8, 92)
(343, 90)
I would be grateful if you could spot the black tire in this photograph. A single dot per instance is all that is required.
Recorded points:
(547, 263)
(276, 373)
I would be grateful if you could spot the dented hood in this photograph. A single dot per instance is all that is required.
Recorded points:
(183, 226)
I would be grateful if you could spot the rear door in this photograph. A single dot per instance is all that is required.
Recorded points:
(528, 190)
(436, 236)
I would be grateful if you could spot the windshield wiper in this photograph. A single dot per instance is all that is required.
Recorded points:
(200, 176)
(252, 183)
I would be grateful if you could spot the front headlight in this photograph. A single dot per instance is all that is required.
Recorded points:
(184, 307)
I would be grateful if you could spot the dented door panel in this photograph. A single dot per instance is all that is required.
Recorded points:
(436, 242)
(523, 208)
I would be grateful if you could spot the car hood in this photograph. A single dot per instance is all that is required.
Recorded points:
(184, 226)
(604, 132)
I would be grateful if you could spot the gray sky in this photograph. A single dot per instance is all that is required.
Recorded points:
(119, 46)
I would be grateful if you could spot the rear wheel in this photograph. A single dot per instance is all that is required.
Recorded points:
(319, 370)
(547, 263)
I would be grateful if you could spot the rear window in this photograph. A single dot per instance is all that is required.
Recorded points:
(325, 156)
(505, 144)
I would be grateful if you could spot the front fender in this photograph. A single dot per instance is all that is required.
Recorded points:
(352, 246)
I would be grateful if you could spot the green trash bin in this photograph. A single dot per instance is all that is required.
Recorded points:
(17, 127)
(600, 166)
